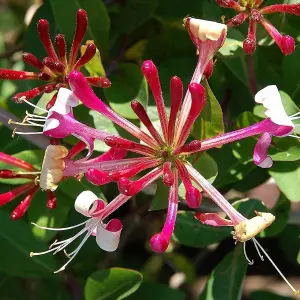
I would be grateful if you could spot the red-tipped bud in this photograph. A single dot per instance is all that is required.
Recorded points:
(61, 46)
(89, 53)
(127, 187)
(168, 177)
(51, 103)
(11, 195)
(51, 200)
(114, 141)
(256, 15)
(60, 67)
(44, 34)
(81, 26)
(22, 208)
(101, 82)
(6, 174)
(8, 74)
(32, 60)
(229, 4)
(249, 46)
(198, 98)
(44, 76)
(140, 111)
(13, 161)
(191, 147)
(149, 69)
(287, 45)
(237, 20)
(33, 93)
(209, 69)
(97, 177)
(49, 63)
(293, 9)
(193, 197)
(159, 243)
(49, 88)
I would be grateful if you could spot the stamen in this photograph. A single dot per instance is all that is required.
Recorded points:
(27, 173)
(296, 292)
(35, 106)
(258, 252)
(294, 136)
(25, 133)
(294, 115)
(35, 116)
(59, 229)
(250, 262)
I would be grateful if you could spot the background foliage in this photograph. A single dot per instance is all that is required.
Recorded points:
(203, 262)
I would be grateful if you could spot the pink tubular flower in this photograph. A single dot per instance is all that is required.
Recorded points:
(55, 68)
(254, 12)
(244, 229)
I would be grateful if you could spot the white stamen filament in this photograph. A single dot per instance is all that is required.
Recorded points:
(31, 104)
(258, 252)
(296, 292)
(26, 133)
(294, 136)
(35, 116)
(294, 115)
(61, 245)
(250, 262)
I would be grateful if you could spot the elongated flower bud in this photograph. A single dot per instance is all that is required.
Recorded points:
(229, 4)
(11, 195)
(32, 60)
(8, 74)
(237, 20)
(89, 53)
(102, 82)
(22, 208)
(81, 26)
(34, 92)
(13, 161)
(51, 200)
(61, 46)
(168, 178)
(44, 34)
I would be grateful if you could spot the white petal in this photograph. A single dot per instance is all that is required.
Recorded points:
(267, 163)
(50, 124)
(84, 202)
(108, 240)
(65, 101)
(206, 30)
(270, 98)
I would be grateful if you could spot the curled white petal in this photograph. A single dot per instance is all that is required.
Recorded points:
(64, 102)
(50, 124)
(207, 30)
(84, 203)
(108, 236)
(270, 98)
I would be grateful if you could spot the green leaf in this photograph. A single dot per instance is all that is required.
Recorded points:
(150, 291)
(287, 177)
(134, 14)
(102, 123)
(112, 284)
(190, 232)
(17, 242)
(226, 280)
(210, 122)
(233, 45)
(99, 23)
(205, 165)
(41, 215)
(161, 197)
(291, 75)
(263, 295)
(289, 243)
(128, 84)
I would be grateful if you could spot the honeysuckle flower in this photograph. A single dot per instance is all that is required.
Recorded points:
(253, 11)
(45, 178)
(55, 68)
(107, 235)
(60, 122)
(243, 229)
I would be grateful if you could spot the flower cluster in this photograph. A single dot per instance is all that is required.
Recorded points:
(161, 153)
(55, 68)
(253, 11)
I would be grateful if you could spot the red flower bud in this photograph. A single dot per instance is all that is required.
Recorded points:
(32, 60)
(89, 53)
(102, 82)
